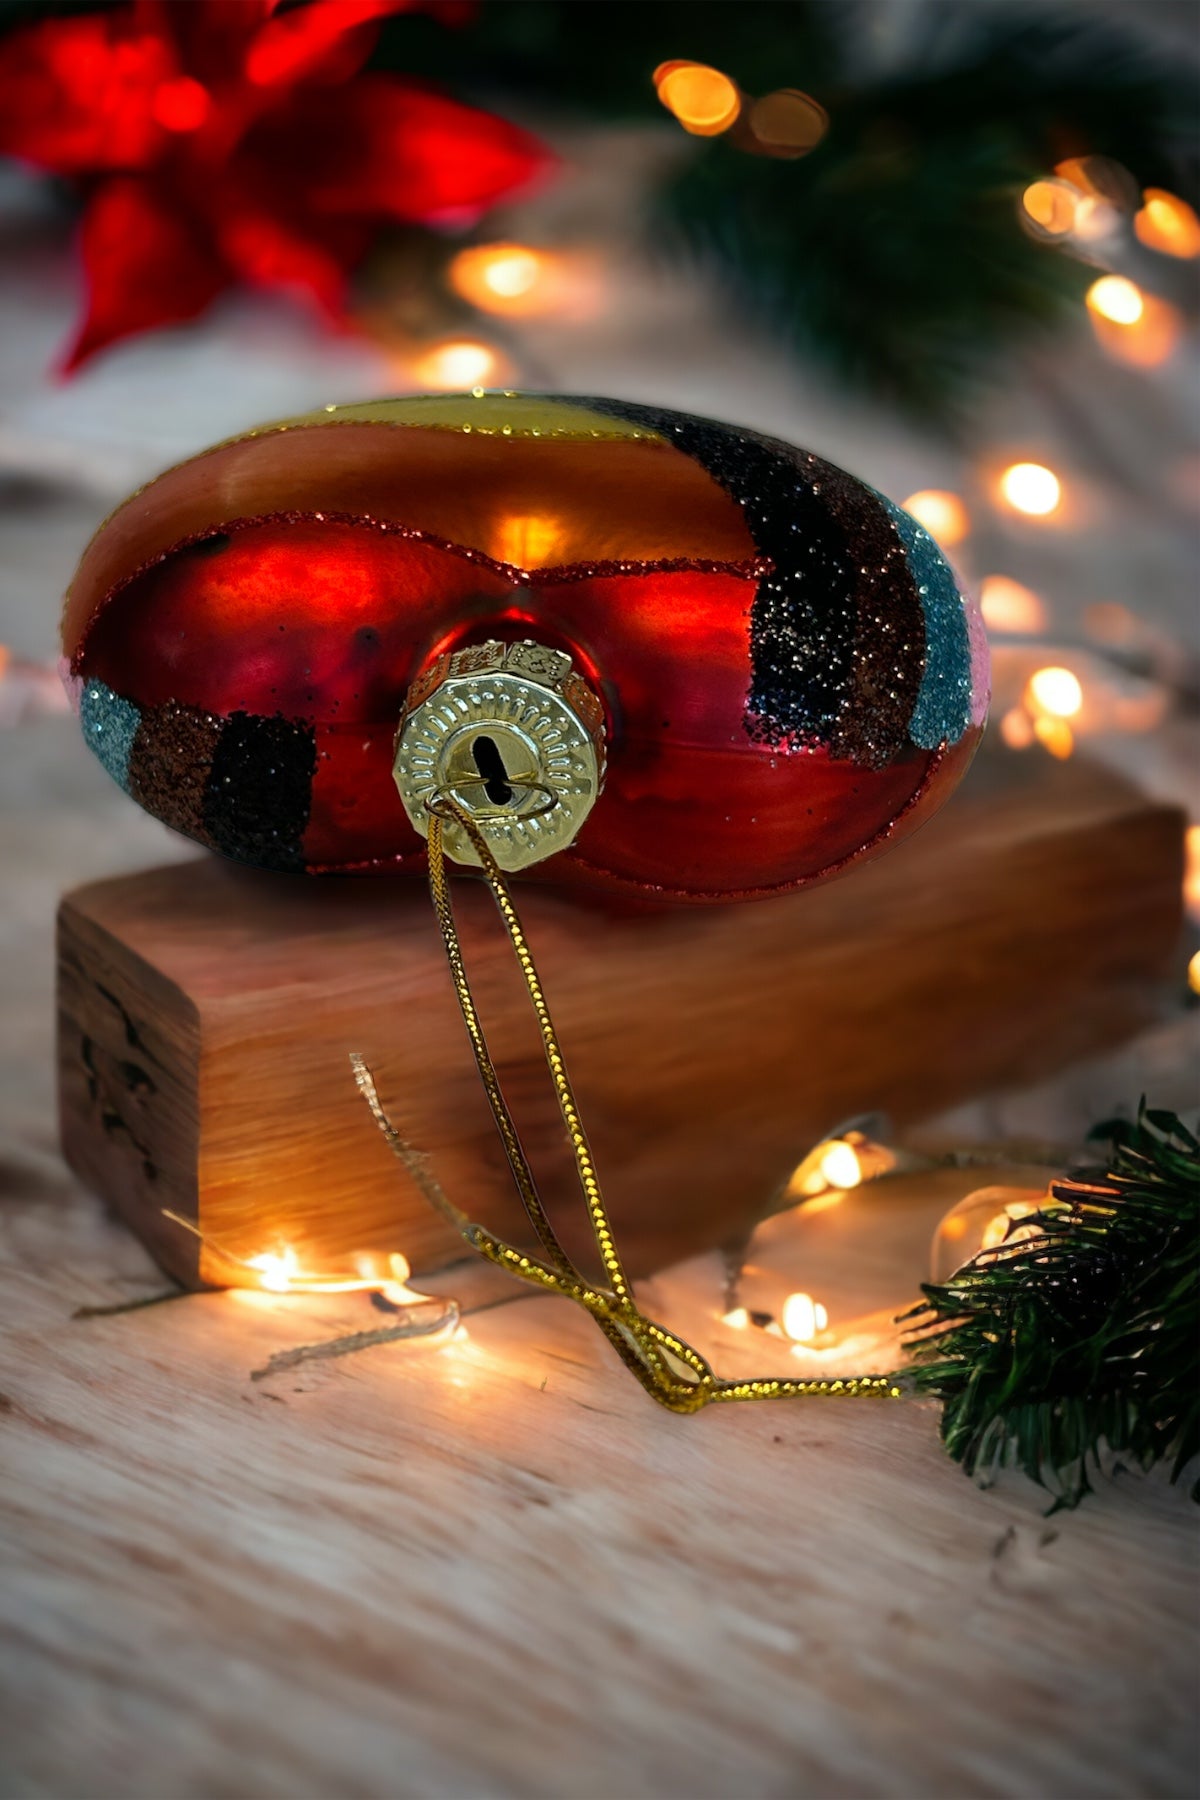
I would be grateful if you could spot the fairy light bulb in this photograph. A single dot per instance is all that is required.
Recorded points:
(275, 1269)
(840, 1165)
(802, 1318)
(1031, 488)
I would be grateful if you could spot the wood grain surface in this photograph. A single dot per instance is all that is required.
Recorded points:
(207, 1014)
(494, 1569)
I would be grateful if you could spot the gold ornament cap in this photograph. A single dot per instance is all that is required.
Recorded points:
(513, 735)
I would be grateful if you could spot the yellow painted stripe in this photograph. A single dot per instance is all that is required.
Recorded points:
(490, 414)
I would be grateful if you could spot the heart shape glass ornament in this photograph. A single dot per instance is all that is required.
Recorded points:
(610, 645)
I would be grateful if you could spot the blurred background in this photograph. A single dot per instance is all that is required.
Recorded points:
(949, 244)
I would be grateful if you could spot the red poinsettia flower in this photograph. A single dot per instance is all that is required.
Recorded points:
(226, 141)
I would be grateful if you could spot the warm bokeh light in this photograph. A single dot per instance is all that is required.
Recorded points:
(1191, 873)
(1103, 178)
(1056, 691)
(941, 513)
(1109, 622)
(1049, 207)
(1117, 298)
(704, 101)
(1007, 605)
(739, 1318)
(1054, 735)
(1031, 488)
(1016, 728)
(1193, 972)
(1144, 338)
(802, 1318)
(1095, 220)
(787, 123)
(458, 363)
(281, 1272)
(1167, 223)
(504, 278)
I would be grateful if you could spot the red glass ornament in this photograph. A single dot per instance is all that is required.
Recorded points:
(790, 676)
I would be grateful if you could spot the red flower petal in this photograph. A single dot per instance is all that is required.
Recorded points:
(297, 45)
(77, 94)
(209, 36)
(269, 251)
(382, 147)
(146, 266)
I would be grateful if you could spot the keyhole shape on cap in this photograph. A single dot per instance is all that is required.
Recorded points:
(490, 764)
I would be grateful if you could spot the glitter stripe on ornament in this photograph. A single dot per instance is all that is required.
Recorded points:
(889, 631)
(259, 792)
(169, 765)
(109, 728)
(803, 619)
(943, 708)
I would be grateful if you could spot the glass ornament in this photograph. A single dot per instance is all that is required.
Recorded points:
(785, 674)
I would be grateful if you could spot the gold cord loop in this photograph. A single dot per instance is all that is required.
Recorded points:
(440, 803)
(671, 1371)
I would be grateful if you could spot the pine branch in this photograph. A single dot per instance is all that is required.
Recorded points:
(1050, 1351)
(893, 254)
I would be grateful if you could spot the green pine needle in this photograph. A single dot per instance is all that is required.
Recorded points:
(1047, 1353)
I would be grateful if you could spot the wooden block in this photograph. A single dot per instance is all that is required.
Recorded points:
(207, 1013)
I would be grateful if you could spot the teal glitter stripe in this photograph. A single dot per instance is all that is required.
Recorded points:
(943, 709)
(109, 724)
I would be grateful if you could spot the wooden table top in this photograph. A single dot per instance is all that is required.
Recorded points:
(493, 1568)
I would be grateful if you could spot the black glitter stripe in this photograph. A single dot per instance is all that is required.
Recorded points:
(259, 793)
(889, 629)
(803, 620)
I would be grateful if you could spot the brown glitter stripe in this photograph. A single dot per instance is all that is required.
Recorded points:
(173, 751)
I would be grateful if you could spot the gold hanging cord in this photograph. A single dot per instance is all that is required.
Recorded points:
(670, 1370)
